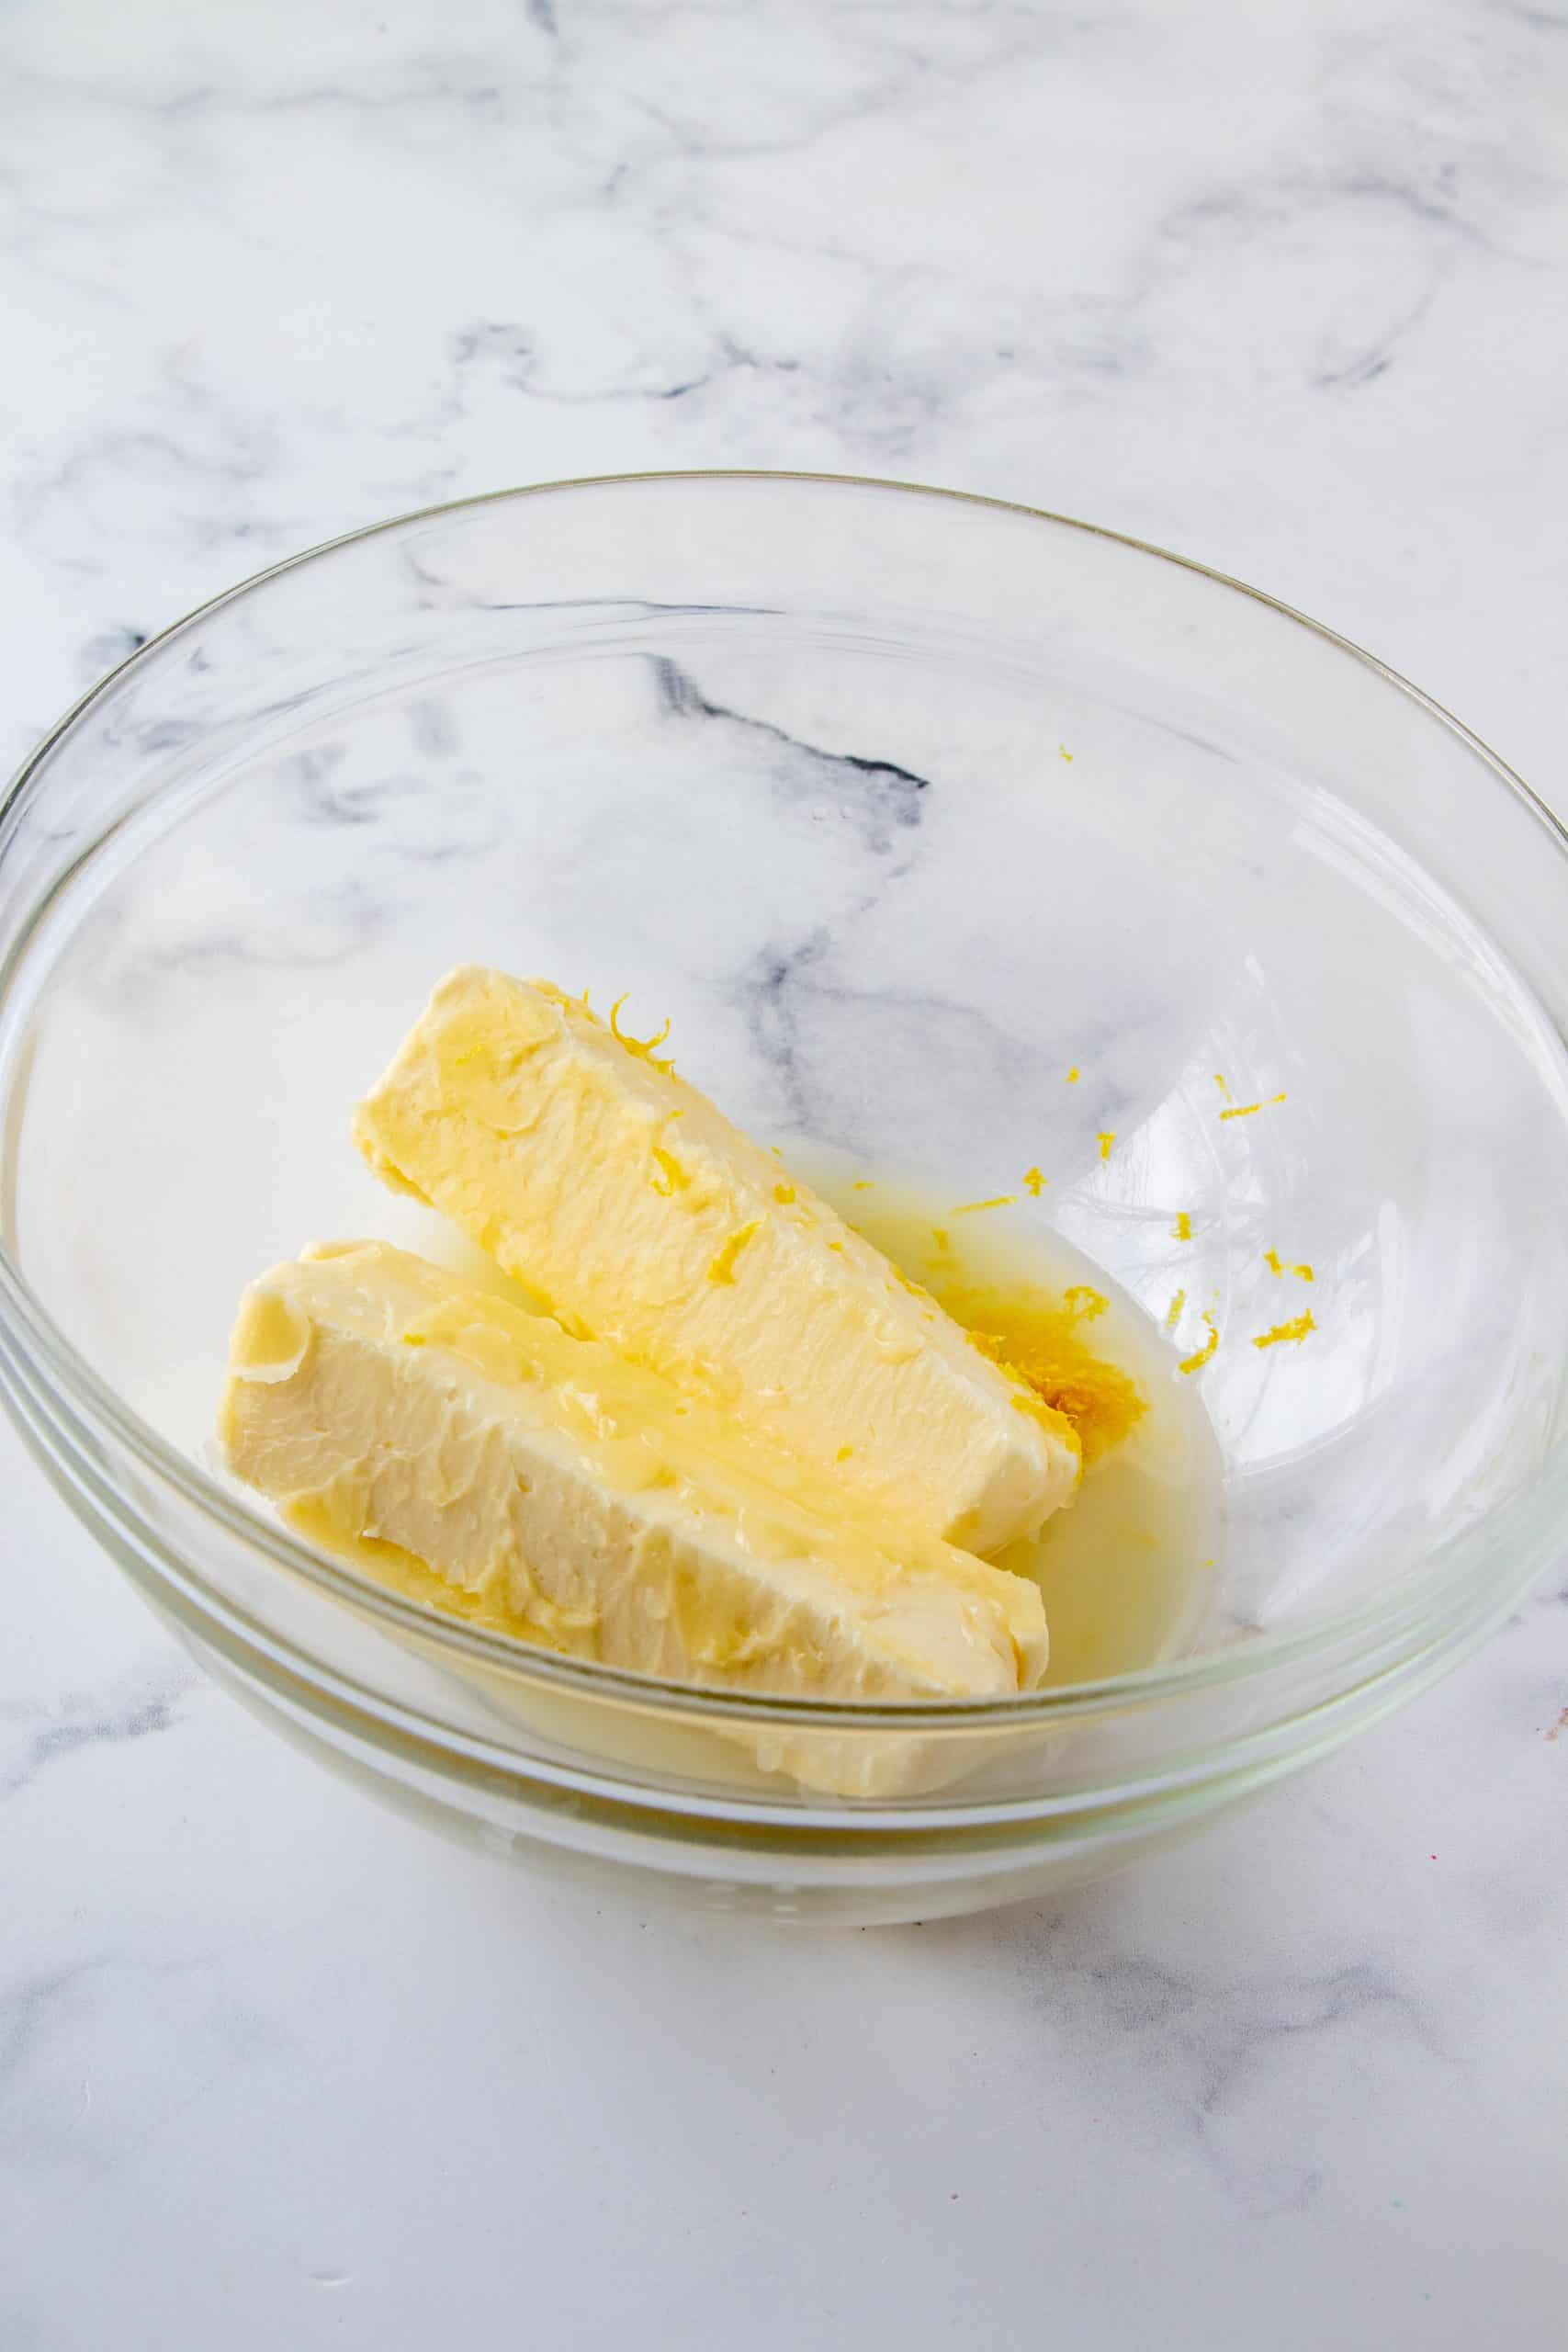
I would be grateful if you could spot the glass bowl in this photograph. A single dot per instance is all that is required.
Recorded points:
(901, 805)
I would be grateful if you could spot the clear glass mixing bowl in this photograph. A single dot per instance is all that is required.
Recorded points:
(898, 803)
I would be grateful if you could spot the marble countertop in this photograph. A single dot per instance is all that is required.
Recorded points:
(1286, 290)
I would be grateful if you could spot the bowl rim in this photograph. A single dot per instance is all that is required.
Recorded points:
(66, 1378)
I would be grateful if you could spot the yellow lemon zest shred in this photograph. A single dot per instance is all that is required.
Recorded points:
(1282, 1331)
(722, 1267)
(643, 1047)
(1206, 1352)
(1245, 1110)
(669, 1168)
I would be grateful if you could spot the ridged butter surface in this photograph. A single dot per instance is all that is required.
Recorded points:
(585, 1503)
(618, 1192)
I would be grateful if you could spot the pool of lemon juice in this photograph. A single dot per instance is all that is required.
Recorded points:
(1128, 1567)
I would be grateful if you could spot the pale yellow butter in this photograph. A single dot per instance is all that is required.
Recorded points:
(586, 1505)
(618, 1193)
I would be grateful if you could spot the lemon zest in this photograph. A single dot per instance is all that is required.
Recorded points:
(1206, 1352)
(1282, 1331)
(643, 1047)
(1245, 1110)
(722, 1267)
(669, 1168)
(1038, 1344)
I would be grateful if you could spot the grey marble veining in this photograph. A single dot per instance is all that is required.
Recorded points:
(42, 1737)
(1287, 290)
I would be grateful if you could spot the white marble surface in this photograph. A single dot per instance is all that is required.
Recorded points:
(1285, 289)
